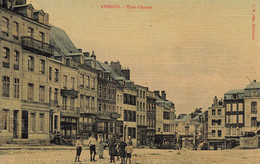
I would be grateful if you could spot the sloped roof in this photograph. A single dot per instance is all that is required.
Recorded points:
(24, 5)
(184, 119)
(106, 67)
(235, 91)
(253, 85)
(61, 42)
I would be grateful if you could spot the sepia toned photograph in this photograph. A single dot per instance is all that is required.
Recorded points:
(129, 81)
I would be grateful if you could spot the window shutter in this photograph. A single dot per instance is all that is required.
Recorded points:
(11, 120)
(1, 120)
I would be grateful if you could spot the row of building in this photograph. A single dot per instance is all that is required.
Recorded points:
(50, 86)
(230, 122)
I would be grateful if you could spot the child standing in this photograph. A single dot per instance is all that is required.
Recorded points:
(78, 148)
(129, 149)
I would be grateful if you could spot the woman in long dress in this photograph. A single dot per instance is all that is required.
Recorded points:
(100, 150)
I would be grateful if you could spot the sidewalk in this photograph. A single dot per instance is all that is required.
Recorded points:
(44, 147)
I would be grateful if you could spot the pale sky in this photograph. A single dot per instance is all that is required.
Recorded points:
(193, 49)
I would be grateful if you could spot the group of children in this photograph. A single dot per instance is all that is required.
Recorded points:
(125, 150)
(122, 150)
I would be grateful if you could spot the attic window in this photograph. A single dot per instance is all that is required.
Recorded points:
(234, 96)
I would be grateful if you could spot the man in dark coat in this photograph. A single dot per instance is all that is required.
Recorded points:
(112, 148)
(122, 151)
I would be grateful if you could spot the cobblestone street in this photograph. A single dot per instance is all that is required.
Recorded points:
(140, 156)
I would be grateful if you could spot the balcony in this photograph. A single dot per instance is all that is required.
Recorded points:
(88, 110)
(69, 92)
(37, 46)
(70, 110)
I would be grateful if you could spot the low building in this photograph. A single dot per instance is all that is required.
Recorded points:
(190, 130)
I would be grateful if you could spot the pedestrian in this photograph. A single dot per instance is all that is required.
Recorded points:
(129, 150)
(78, 148)
(92, 142)
(101, 146)
(130, 140)
(122, 145)
(112, 148)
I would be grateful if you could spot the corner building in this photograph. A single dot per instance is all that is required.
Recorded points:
(24, 106)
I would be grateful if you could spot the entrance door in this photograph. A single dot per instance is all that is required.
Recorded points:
(24, 124)
(15, 124)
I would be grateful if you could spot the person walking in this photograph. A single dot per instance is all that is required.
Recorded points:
(100, 150)
(112, 148)
(92, 142)
(78, 148)
(129, 150)
(122, 145)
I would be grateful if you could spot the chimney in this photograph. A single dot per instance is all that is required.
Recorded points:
(116, 66)
(126, 73)
(80, 50)
(215, 101)
(86, 54)
(93, 55)
(163, 94)
(157, 93)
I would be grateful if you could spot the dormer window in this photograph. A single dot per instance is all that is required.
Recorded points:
(254, 93)
(234, 96)
(29, 13)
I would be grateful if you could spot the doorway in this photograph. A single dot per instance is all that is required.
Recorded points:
(24, 124)
(15, 124)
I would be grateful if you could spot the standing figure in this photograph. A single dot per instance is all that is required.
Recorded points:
(122, 145)
(130, 140)
(129, 149)
(78, 148)
(92, 147)
(100, 150)
(112, 148)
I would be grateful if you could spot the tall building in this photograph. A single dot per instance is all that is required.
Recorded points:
(141, 114)
(216, 125)
(25, 51)
(234, 116)
(165, 121)
(106, 102)
(151, 117)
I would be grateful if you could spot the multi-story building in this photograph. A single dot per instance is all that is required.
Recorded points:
(216, 125)
(107, 112)
(234, 116)
(151, 117)
(165, 121)
(78, 86)
(141, 114)
(190, 130)
(122, 76)
(25, 51)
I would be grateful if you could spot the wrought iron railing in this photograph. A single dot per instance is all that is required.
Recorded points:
(37, 46)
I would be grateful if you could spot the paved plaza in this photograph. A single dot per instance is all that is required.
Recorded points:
(140, 156)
